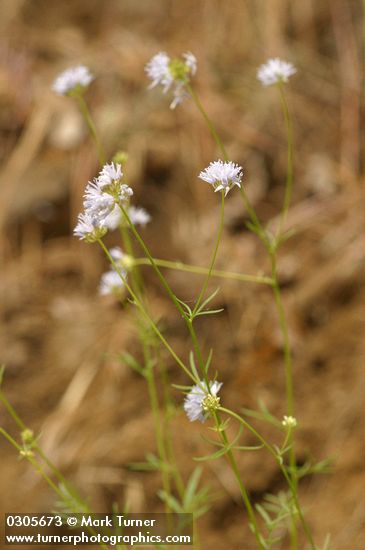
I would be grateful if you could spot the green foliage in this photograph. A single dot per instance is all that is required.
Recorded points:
(69, 501)
(277, 512)
(323, 467)
(194, 501)
(263, 414)
(224, 448)
(153, 463)
(2, 372)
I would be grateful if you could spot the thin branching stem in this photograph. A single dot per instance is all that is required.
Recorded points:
(250, 209)
(283, 469)
(235, 469)
(208, 121)
(271, 247)
(14, 415)
(169, 291)
(214, 257)
(89, 121)
(179, 266)
(290, 157)
(141, 307)
(137, 284)
(29, 456)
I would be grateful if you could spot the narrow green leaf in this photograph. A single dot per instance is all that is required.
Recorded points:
(2, 372)
(171, 501)
(209, 312)
(191, 488)
(131, 362)
(193, 366)
(209, 299)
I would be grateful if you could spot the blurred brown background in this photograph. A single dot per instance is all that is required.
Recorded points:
(60, 340)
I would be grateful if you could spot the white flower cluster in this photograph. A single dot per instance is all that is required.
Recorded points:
(73, 79)
(194, 401)
(101, 203)
(275, 71)
(172, 72)
(112, 282)
(222, 175)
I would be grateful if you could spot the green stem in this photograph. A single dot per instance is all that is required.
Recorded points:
(292, 487)
(137, 284)
(89, 121)
(36, 447)
(290, 155)
(179, 266)
(243, 490)
(152, 262)
(152, 390)
(208, 121)
(43, 474)
(137, 281)
(272, 252)
(260, 231)
(288, 382)
(251, 211)
(285, 334)
(168, 289)
(168, 406)
(214, 257)
(34, 463)
(141, 307)
(278, 299)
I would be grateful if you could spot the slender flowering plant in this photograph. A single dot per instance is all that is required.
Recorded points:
(107, 207)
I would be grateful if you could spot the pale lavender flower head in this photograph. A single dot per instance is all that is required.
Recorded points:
(97, 203)
(139, 216)
(73, 79)
(222, 175)
(89, 228)
(111, 283)
(275, 71)
(191, 62)
(109, 174)
(176, 73)
(194, 401)
(180, 94)
(101, 203)
(109, 181)
(114, 219)
(158, 71)
(125, 192)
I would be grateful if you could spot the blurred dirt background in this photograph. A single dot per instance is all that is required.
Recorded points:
(60, 340)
